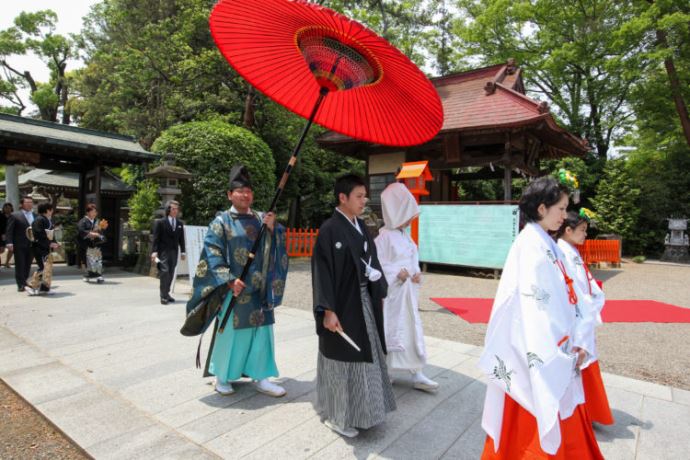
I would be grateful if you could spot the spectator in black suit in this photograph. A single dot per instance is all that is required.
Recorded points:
(17, 241)
(168, 236)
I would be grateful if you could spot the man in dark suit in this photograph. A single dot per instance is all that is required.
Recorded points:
(16, 239)
(168, 235)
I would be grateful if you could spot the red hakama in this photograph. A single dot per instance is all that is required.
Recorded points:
(520, 438)
(595, 395)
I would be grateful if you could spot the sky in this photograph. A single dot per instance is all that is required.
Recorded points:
(69, 13)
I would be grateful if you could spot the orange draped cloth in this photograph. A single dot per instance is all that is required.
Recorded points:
(595, 395)
(520, 438)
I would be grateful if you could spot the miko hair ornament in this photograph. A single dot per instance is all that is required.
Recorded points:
(588, 215)
(569, 179)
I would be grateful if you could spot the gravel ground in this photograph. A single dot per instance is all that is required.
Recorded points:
(24, 433)
(655, 352)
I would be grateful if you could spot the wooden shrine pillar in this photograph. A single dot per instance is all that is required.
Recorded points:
(507, 174)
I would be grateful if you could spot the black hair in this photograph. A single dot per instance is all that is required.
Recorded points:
(8, 205)
(24, 198)
(169, 204)
(572, 220)
(45, 207)
(90, 207)
(545, 190)
(345, 184)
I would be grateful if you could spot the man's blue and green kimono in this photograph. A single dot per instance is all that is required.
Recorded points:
(246, 346)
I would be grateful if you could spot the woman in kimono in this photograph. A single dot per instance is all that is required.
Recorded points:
(42, 233)
(532, 355)
(400, 262)
(91, 237)
(573, 232)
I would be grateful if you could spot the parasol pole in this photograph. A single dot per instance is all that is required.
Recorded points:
(279, 191)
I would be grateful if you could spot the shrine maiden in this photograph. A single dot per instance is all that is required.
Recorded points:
(591, 300)
(534, 400)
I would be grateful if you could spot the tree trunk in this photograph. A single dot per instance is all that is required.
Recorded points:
(65, 109)
(62, 90)
(249, 120)
(293, 213)
(678, 100)
(595, 129)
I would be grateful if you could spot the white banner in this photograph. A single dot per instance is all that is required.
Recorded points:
(194, 243)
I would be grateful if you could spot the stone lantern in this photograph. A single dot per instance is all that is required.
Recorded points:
(168, 176)
(677, 241)
(37, 196)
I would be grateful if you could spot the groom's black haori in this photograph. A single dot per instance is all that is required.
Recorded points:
(337, 274)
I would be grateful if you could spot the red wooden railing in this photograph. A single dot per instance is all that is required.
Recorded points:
(300, 242)
(596, 251)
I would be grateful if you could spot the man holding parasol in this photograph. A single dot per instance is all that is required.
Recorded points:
(339, 74)
(246, 346)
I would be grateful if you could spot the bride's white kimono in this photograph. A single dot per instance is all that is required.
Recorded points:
(396, 250)
(531, 333)
(590, 300)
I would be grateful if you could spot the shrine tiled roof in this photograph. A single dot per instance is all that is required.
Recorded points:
(97, 144)
(490, 98)
(68, 180)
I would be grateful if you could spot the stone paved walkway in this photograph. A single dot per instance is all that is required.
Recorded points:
(106, 364)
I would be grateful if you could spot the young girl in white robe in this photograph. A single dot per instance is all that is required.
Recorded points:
(534, 400)
(573, 232)
(400, 262)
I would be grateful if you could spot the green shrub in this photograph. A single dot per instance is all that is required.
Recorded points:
(68, 222)
(617, 204)
(209, 149)
(143, 205)
(639, 259)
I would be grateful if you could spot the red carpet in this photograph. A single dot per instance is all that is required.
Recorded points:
(615, 311)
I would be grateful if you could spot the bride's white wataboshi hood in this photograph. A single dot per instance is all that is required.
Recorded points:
(399, 206)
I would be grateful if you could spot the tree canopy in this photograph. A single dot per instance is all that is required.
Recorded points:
(35, 33)
(614, 72)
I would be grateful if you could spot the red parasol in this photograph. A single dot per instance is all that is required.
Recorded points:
(297, 53)
(287, 49)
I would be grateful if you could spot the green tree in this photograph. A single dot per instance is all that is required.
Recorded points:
(143, 205)
(35, 33)
(209, 149)
(662, 32)
(308, 196)
(151, 64)
(570, 53)
(617, 204)
(421, 30)
(659, 161)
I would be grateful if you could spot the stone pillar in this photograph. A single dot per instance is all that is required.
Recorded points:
(12, 185)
